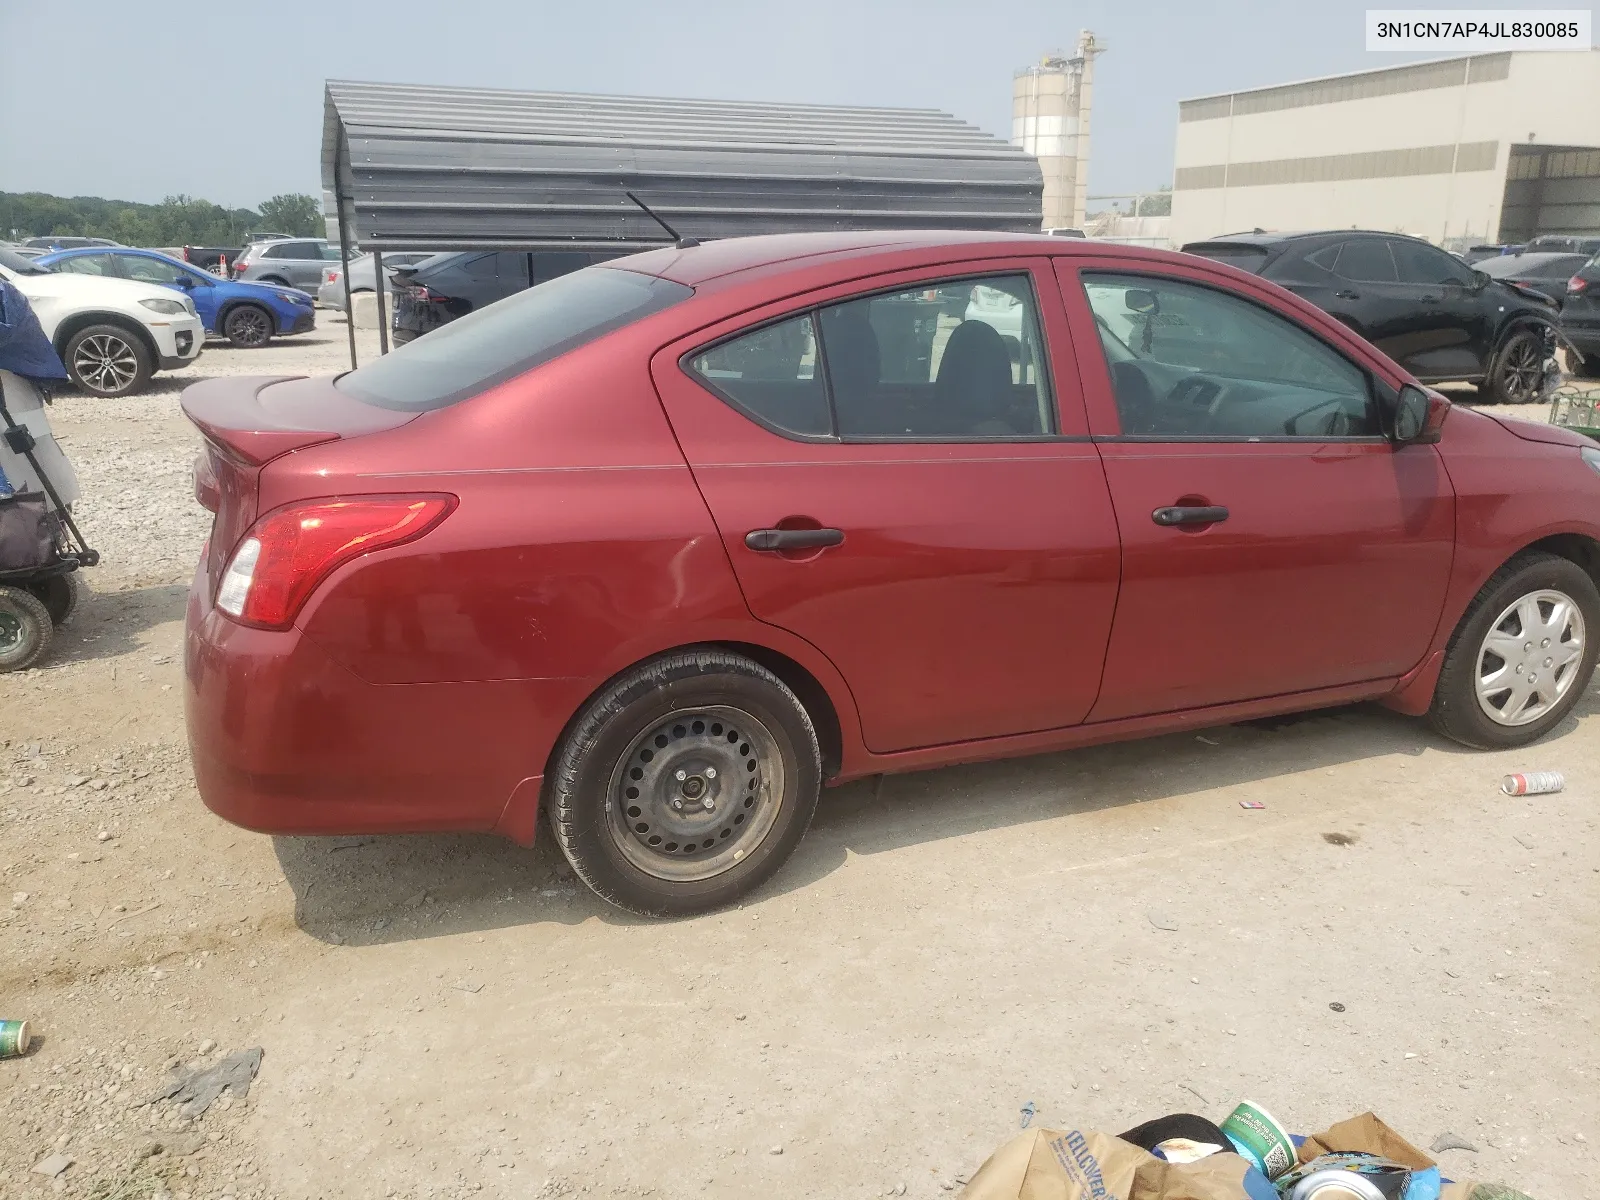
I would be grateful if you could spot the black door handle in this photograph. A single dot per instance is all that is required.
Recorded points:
(1430, 299)
(792, 539)
(1347, 294)
(1197, 515)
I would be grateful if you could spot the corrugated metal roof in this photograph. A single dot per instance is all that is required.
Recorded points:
(442, 167)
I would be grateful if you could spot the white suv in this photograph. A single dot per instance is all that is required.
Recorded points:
(112, 334)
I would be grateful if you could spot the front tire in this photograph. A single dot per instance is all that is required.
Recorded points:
(25, 629)
(108, 360)
(1522, 655)
(1517, 371)
(249, 327)
(686, 783)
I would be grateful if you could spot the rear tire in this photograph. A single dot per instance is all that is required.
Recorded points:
(25, 629)
(1469, 691)
(686, 783)
(108, 360)
(277, 279)
(248, 326)
(1589, 368)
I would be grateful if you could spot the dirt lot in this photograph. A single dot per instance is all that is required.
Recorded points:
(1106, 933)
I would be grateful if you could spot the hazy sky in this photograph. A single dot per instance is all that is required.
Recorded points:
(224, 100)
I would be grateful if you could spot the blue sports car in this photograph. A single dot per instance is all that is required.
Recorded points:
(247, 314)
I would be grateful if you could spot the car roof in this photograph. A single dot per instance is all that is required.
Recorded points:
(732, 256)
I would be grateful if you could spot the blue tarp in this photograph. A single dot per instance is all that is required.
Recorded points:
(24, 349)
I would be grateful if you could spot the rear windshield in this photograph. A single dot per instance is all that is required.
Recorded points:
(504, 339)
(1246, 258)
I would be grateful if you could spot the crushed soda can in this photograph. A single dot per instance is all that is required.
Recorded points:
(14, 1039)
(1533, 783)
(1349, 1176)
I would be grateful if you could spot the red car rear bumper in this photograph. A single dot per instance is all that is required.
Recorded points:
(286, 740)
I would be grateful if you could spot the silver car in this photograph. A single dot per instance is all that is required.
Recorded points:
(331, 293)
(293, 262)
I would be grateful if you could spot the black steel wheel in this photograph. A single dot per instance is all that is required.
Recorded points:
(1518, 370)
(248, 326)
(25, 629)
(108, 360)
(686, 783)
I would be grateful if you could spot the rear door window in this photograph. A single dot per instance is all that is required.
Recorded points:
(498, 342)
(771, 374)
(957, 360)
(1367, 260)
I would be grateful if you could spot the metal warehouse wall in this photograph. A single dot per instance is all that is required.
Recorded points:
(1420, 149)
(466, 168)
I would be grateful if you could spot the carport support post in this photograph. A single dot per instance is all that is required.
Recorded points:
(382, 286)
(344, 259)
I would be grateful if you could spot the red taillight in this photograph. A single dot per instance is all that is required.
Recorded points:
(1576, 284)
(331, 275)
(287, 553)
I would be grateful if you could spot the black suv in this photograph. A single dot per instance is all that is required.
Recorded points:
(1580, 317)
(447, 286)
(1437, 317)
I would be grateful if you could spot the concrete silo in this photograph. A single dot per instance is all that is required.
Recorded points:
(1050, 120)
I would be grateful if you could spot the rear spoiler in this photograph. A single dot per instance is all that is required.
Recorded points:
(255, 419)
(230, 415)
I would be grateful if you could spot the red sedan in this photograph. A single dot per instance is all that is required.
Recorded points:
(664, 545)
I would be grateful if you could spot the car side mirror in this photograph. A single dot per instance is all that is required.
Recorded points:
(1141, 300)
(184, 281)
(1418, 417)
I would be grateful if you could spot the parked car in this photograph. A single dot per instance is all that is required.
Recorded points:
(1438, 318)
(295, 262)
(331, 293)
(656, 548)
(447, 286)
(112, 334)
(1546, 273)
(65, 243)
(1563, 243)
(1476, 254)
(248, 314)
(1580, 317)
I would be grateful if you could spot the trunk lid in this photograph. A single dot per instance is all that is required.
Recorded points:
(247, 422)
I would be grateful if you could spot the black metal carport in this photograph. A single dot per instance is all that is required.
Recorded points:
(411, 167)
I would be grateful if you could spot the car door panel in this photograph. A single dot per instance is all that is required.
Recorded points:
(972, 591)
(1329, 568)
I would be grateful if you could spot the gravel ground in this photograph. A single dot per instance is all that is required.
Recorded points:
(1106, 934)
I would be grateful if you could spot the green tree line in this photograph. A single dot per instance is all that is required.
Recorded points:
(176, 221)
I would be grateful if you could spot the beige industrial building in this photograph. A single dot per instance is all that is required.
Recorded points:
(1485, 148)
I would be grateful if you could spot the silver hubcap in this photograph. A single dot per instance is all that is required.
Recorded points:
(105, 362)
(1530, 658)
(696, 793)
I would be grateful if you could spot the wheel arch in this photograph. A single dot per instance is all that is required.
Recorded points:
(241, 302)
(813, 695)
(1576, 547)
(1414, 695)
(71, 325)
